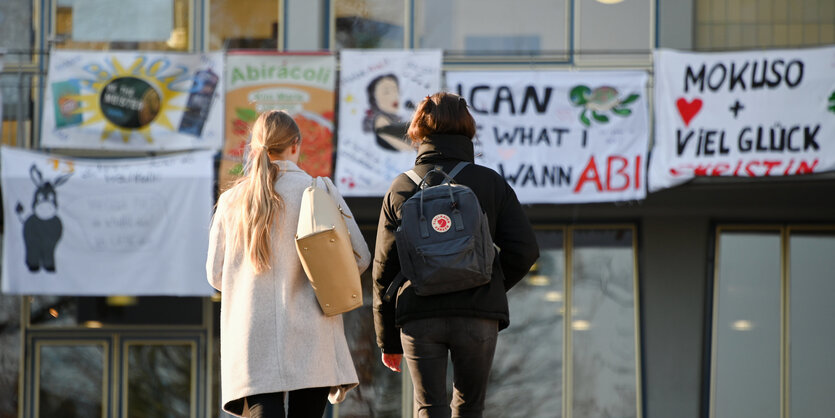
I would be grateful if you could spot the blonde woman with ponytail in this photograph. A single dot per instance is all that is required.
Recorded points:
(275, 340)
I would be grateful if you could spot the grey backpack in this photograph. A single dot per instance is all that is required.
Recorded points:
(443, 240)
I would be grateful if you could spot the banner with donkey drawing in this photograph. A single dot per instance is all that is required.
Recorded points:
(98, 227)
(742, 114)
(133, 101)
(560, 136)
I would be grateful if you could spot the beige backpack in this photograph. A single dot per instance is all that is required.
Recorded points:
(324, 246)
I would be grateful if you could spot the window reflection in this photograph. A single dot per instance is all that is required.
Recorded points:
(156, 25)
(64, 311)
(747, 359)
(603, 324)
(254, 26)
(812, 281)
(9, 354)
(16, 36)
(160, 380)
(369, 24)
(379, 392)
(526, 378)
(472, 28)
(613, 32)
(71, 380)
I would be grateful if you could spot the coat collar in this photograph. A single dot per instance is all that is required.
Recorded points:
(445, 147)
(286, 165)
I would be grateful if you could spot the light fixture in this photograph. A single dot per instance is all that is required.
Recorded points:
(742, 325)
(121, 300)
(92, 324)
(553, 296)
(580, 325)
(609, 1)
(53, 312)
(538, 280)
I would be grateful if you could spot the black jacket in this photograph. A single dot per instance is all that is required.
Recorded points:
(509, 228)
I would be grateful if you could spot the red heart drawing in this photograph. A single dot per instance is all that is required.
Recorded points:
(688, 110)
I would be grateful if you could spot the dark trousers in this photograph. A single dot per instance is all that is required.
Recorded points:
(302, 403)
(471, 343)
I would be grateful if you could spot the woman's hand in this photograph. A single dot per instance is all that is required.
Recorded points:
(392, 361)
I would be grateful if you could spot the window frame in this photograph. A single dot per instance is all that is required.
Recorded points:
(568, 247)
(785, 231)
(570, 58)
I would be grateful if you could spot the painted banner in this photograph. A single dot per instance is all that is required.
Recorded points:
(561, 137)
(106, 227)
(133, 101)
(378, 92)
(303, 85)
(746, 114)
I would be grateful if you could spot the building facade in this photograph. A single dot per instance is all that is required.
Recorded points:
(707, 299)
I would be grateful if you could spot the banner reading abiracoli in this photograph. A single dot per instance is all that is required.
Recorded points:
(106, 227)
(302, 85)
(561, 137)
(133, 101)
(746, 114)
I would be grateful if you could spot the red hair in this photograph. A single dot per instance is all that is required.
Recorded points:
(441, 113)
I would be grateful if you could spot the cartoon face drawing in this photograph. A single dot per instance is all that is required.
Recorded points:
(382, 117)
(42, 228)
(387, 95)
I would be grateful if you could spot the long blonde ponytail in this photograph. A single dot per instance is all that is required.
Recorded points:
(260, 204)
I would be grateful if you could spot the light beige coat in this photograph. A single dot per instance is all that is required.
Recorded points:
(274, 336)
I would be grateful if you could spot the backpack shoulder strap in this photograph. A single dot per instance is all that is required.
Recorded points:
(413, 176)
(458, 167)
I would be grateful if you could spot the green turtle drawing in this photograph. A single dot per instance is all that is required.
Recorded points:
(600, 101)
(832, 102)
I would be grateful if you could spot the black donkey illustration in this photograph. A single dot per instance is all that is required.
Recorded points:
(42, 229)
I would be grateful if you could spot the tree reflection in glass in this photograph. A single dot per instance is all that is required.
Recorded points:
(159, 380)
(71, 380)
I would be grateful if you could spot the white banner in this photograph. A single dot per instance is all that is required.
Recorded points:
(378, 91)
(105, 227)
(746, 114)
(133, 101)
(561, 137)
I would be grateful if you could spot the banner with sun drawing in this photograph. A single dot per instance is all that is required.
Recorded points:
(133, 101)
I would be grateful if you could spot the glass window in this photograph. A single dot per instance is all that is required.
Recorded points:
(9, 354)
(603, 324)
(738, 24)
(369, 24)
(71, 380)
(812, 275)
(747, 325)
(16, 102)
(477, 28)
(234, 27)
(157, 25)
(379, 392)
(599, 300)
(773, 303)
(16, 34)
(614, 31)
(526, 378)
(95, 312)
(160, 380)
